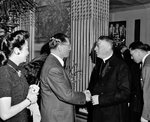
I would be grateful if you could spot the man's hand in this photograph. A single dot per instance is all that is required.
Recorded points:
(88, 95)
(143, 120)
(95, 99)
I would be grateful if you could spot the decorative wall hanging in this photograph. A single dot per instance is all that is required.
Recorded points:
(117, 31)
(11, 10)
(89, 20)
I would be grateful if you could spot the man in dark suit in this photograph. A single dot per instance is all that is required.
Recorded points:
(57, 94)
(136, 96)
(140, 53)
(109, 85)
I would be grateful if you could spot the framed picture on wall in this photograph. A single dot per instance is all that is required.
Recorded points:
(117, 31)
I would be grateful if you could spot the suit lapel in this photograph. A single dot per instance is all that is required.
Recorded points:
(64, 71)
(108, 66)
(54, 59)
(147, 60)
(106, 69)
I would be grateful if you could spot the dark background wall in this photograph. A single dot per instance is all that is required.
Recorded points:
(52, 16)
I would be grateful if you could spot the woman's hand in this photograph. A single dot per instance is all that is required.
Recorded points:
(32, 93)
(34, 89)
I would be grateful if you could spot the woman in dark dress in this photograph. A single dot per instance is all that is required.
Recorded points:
(15, 95)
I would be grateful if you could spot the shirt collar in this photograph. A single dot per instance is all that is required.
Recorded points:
(143, 60)
(59, 59)
(107, 57)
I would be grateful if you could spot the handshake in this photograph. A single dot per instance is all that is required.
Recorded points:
(94, 99)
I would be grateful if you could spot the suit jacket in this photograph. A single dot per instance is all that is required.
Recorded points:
(57, 95)
(136, 97)
(112, 86)
(146, 88)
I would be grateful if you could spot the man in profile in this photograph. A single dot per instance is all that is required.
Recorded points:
(109, 85)
(57, 94)
(140, 53)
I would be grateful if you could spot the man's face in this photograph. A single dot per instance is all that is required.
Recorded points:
(102, 48)
(135, 55)
(65, 48)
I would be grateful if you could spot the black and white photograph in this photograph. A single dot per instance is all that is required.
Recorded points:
(117, 30)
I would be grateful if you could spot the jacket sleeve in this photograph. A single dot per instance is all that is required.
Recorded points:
(146, 92)
(60, 84)
(121, 92)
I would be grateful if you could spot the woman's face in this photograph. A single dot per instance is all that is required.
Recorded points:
(24, 52)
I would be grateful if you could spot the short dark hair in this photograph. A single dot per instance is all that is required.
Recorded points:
(107, 38)
(57, 39)
(139, 45)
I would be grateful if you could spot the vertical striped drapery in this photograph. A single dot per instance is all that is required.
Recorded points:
(27, 22)
(89, 20)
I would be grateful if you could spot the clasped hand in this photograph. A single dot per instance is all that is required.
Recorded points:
(94, 99)
(32, 93)
(143, 120)
(88, 95)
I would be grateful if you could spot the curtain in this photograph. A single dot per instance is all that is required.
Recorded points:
(89, 20)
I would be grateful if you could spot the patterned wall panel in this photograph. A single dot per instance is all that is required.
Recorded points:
(89, 20)
(27, 22)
